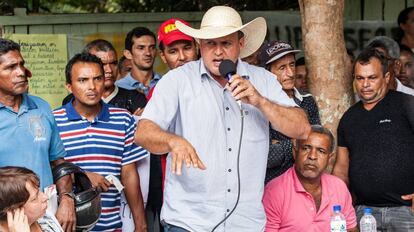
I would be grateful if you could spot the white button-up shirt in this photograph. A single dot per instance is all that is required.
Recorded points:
(206, 115)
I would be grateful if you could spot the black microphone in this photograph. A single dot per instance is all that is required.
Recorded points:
(227, 68)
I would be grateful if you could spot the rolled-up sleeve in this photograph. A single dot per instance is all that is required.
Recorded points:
(349, 211)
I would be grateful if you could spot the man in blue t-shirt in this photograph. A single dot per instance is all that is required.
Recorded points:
(28, 133)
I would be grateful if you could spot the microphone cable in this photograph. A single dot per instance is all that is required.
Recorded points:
(238, 171)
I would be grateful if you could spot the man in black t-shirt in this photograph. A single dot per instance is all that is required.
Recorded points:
(376, 146)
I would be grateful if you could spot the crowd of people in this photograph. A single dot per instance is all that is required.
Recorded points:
(230, 148)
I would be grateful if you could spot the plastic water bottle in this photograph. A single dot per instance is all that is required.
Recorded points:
(338, 222)
(368, 222)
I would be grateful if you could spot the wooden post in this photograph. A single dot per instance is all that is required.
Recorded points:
(329, 68)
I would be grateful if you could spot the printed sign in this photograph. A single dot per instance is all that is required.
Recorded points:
(46, 57)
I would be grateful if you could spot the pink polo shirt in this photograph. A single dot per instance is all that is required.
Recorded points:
(290, 208)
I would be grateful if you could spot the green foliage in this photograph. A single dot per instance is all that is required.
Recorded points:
(118, 6)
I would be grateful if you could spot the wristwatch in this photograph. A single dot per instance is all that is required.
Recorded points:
(69, 194)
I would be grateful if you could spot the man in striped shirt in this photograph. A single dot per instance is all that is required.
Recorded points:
(99, 138)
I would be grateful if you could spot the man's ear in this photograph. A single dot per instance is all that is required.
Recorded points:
(330, 157)
(295, 148)
(197, 48)
(127, 54)
(69, 87)
(162, 56)
(387, 77)
(241, 42)
(397, 67)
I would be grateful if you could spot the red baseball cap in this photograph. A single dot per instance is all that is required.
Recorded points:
(168, 32)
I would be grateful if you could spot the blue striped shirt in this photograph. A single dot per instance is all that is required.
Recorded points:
(102, 146)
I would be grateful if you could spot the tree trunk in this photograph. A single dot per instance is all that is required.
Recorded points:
(329, 67)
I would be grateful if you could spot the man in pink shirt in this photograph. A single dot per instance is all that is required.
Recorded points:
(303, 197)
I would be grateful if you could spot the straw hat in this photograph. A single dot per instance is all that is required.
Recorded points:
(221, 21)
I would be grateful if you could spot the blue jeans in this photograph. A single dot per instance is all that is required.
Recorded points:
(172, 228)
(394, 219)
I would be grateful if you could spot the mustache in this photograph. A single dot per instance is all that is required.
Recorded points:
(309, 162)
(21, 80)
(289, 78)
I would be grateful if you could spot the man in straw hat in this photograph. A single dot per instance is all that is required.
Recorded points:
(229, 160)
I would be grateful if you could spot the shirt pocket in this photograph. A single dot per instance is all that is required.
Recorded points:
(256, 126)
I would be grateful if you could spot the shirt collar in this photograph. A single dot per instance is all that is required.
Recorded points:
(111, 96)
(155, 77)
(131, 81)
(140, 86)
(296, 183)
(399, 85)
(326, 191)
(298, 95)
(73, 115)
(26, 104)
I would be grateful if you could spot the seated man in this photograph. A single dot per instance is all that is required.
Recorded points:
(303, 197)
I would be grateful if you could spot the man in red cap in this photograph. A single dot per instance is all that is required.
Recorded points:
(176, 48)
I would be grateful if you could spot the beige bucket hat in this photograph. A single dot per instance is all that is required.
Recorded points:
(221, 21)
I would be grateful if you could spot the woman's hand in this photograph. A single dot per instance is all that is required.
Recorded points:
(17, 221)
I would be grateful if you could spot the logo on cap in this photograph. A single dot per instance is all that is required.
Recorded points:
(169, 28)
(277, 47)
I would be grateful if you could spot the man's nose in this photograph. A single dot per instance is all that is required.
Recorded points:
(107, 68)
(91, 84)
(365, 83)
(403, 70)
(21, 71)
(312, 154)
(290, 72)
(147, 51)
(181, 55)
(218, 51)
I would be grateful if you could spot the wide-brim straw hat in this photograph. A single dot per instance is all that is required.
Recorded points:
(221, 21)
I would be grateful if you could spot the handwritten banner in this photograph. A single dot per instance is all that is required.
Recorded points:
(46, 57)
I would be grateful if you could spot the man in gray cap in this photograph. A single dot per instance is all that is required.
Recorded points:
(221, 123)
(279, 58)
